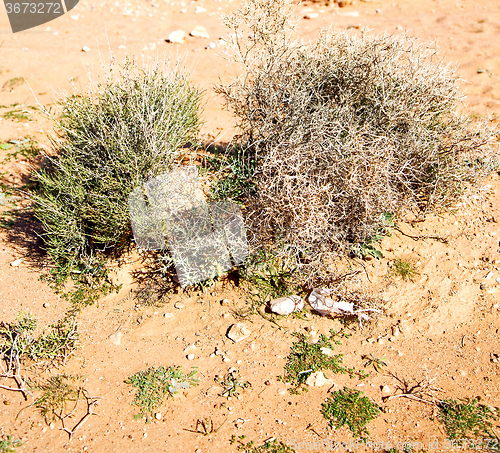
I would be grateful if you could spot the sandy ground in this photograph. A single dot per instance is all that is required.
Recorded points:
(448, 324)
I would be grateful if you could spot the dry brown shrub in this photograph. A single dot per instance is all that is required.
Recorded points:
(343, 130)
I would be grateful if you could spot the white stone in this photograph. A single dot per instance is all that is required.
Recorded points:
(16, 263)
(177, 37)
(238, 332)
(200, 9)
(190, 356)
(327, 351)
(311, 15)
(116, 338)
(287, 305)
(85, 49)
(199, 32)
(386, 389)
(316, 379)
(350, 14)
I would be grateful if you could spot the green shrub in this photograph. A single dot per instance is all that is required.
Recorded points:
(128, 128)
(307, 357)
(349, 407)
(468, 419)
(154, 384)
(342, 130)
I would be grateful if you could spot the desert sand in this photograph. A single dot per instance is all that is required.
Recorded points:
(447, 320)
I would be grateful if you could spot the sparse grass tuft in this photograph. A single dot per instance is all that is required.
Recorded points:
(55, 345)
(60, 402)
(270, 275)
(349, 407)
(306, 358)
(468, 419)
(58, 397)
(404, 269)
(154, 384)
(269, 446)
(205, 427)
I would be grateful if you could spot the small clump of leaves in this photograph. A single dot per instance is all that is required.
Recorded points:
(349, 407)
(305, 358)
(376, 363)
(7, 445)
(154, 384)
(232, 385)
(269, 446)
(468, 419)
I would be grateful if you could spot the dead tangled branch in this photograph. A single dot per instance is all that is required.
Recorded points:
(342, 131)
(422, 390)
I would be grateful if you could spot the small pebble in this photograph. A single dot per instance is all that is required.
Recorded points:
(200, 32)
(179, 305)
(190, 356)
(46, 305)
(158, 416)
(85, 49)
(311, 16)
(16, 263)
(177, 37)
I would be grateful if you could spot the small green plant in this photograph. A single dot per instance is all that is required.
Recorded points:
(232, 385)
(305, 358)
(373, 362)
(7, 445)
(154, 384)
(404, 269)
(468, 419)
(269, 446)
(349, 407)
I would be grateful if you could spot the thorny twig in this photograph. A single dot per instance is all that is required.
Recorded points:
(91, 401)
